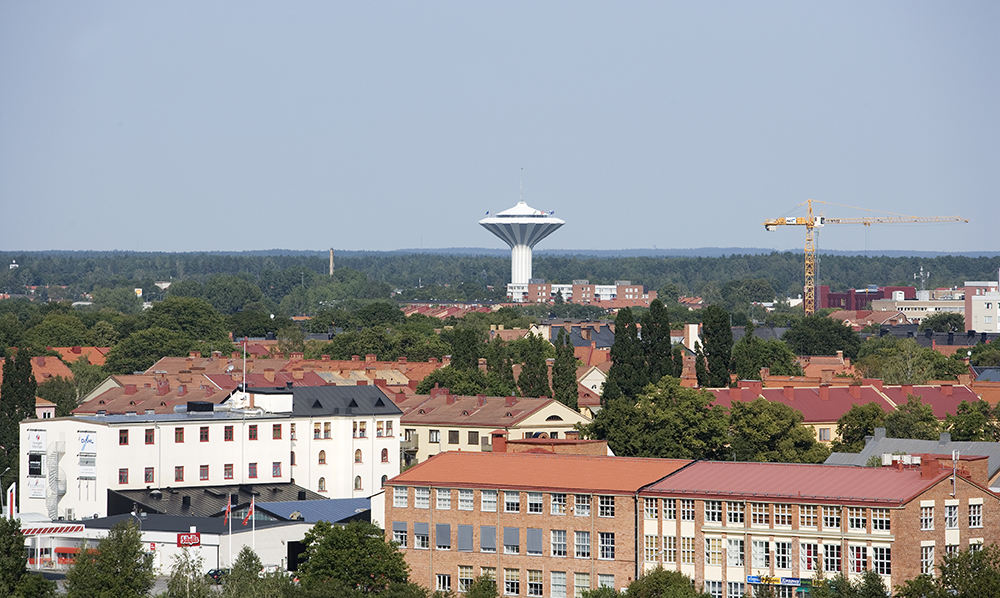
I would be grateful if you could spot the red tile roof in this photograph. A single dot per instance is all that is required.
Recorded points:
(94, 355)
(44, 367)
(798, 482)
(814, 408)
(217, 364)
(530, 471)
(937, 396)
(445, 409)
(160, 400)
(258, 380)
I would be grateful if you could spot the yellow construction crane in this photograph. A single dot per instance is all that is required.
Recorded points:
(812, 222)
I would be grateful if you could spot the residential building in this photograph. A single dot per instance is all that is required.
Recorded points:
(611, 296)
(855, 299)
(976, 310)
(916, 310)
(541, 525)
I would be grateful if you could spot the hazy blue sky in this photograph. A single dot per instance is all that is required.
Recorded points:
(188, 126)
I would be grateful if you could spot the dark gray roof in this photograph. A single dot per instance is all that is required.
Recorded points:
(879, 445)
(311, 401)
(984, 374)
(181, 523)
(205, 501)
(767, 333)
(960, 338)
(331, 510)
(578, 337)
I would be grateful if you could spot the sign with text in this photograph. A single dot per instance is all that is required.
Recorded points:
(86, 442)
(36, 441)
(192, 539)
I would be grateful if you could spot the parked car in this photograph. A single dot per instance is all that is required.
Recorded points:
(216, 575)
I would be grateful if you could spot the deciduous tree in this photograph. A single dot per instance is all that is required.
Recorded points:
(946, 321)
(975, 421)
(141, 350)
(186, 577)
(18, 392)
(772, 432)
(752, 353)
(354, 556)
(660, 583)
(964, 574)
(60, 391)
(819, 335)
(853, 426)
(913, 420)
(118, 568)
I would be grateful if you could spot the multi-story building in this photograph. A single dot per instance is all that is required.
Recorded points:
(982, 306)
(620, 294)
(855, 299)
(541, 525)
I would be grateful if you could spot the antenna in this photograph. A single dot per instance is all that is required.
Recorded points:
(923, 276)
(522, 184)
(955, 456)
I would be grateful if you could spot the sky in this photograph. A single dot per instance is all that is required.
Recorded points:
(220, 126)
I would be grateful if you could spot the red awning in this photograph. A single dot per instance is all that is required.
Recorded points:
(51, 529)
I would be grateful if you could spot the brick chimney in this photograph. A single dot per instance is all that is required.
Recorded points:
(872, 382)
(195, 354)
(355, 358)
(840, 356)
(824, 392)
(450, 399)
(184, 376)
(765, 373)
(510, 401)
(370, 358)
(907, 389)
(736, 394)
(929, 468)
(216, 354)
(324, 358)
(298, 373)
(362, 383)
(40, 360)
(181, 390)
(295, 356)
(437, 391)
(130, 389)
(789, 392)
(855, 390)
(499, 439)
(480, 400)
(379, 382)
(947, 390)
(76, 350)
(825, 376)
(269, 374)
(572, 434)
(162, 387)
(754, 386)
(446, 360)
(401, 359)
(413, 384)
(236, 355)
(432, 360)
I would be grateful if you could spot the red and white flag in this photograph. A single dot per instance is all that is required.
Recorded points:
(229, 510)
(249, 512)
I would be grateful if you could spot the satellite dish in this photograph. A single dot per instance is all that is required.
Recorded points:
(229, 369)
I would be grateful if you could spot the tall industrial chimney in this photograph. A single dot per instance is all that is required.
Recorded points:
(331, 261)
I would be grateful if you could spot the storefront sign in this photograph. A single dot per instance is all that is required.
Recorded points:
(193, 539)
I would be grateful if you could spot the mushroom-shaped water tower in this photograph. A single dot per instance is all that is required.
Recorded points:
(521, 227)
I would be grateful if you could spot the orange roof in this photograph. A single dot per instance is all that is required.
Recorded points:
(530, 471)
(593, 356)
(412, 370)
(216, 364)
(447, 409)
(161, 398)
(586, 396)
(94, 355)
(44, 367)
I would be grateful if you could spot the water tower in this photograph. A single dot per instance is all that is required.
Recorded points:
(521, 227)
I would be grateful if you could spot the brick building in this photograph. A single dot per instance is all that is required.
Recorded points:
(542, 525)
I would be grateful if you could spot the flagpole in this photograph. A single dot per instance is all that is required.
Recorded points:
(228, 507)
(253, 523)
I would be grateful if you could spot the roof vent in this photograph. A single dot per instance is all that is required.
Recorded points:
(301, 495)
(185, 501)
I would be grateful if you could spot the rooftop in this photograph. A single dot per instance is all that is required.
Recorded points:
(443, 408)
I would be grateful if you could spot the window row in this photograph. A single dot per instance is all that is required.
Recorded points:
(532, 578)
(533, 502)
(974, 512)
(812, 556)
(324, 430)
(582, 546)
(204, 435)
(766, 514)
(149, 473)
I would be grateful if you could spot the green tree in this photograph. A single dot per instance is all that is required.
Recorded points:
(964, 574)
(354, 556)
(752, 353)
(534, 378)
(819, 335)
(119, 568)
(58, 330)
(718, 347)
(466, 348)
(60, 391)
(660, 583)
(103, 334)
(564, 386)
(700, 366)
(459, 382)
(245, 579)
(482, 587)
(772, 432)
(500, 367)
(904, 361)
(13, 558)
(913, 420)
(947, 321)
(986, 355)
(86, 376)
(656, 341)
(192, 317)
(121, 300)
(229, 294)
(18, 392)
(975, 421)
(291, 339)
(853, 426)
(33, 585)
(11, 331)
(186, 577)
(627, 376)
(677, 360)
(142, 349)
(667, 420)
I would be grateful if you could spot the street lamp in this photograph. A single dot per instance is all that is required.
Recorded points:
(2, 493)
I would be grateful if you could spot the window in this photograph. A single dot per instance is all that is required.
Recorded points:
(558, 504)
(687, 509)
(361, 430)
(760, 558)
(606, 546)
(490, 572)
(713, 511)
(473, 438)
(882, 560)
(735, 589)
(808, 556)
(581, 507)
(581, 584)
(783, 515)
(687, 551)
(315, 431)
(122, 437)
(713, 588)
(734, 512)
(831, 558)
(434, 436)
(534, 502)
(927, 560)
(443, 582)
(975, 516)
(276, 469)
(581, 545)
(322, 457)
(442, 536)
(511, 582)
(321, 486)
(670, 509)
(488, 501)
(326, 430)
(831, 518)
(926, 517)
(227, 434)
(123, 476)
(605, 580)
(534, 582)
(975, 545)
(384, 479)
(651, 508)
(422, 498)
(385, 455)
(227, 471)
(511, 502)
(203, 434)
(252, 470)
(950, 549)
(558, 541)
(275, 431)
(443, 498)
(605, 506)
(807, 516)
(465, 500)
(252, 431)
(951, 516)
(856, 518)
(713, 551)
(178, 435)
(857, 560)
(378, 429)
(357, 456)
(179, 473)
(735, 553)
(880, 520)
(149, 476)
(487, 538)
(203, 472)
(669, 549)
(150, 435)
(824, 434)
(759, 513)
(464, 578)
(557, 584)
(452, 436)
(782, 555)
(399, 497)
(421, 536)
(651, 549)
(291, 458)
(534, 541)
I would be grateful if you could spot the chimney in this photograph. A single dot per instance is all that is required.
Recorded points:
(907, 389)
(944, 439)
(130, 389)
(929, 468)
(195, 354)
(413, 384)
(789, 392)
(355, 358)
(736, 394)
(269, 374)
(872, 382)
(181, 390)
(825, 376)
(446, 360)
(379, 382)
(754, 386)
(324, 358)
(824, 392)
(236, 355)
(188, 363)
(480, 400)
(76, 350)
(510, 401)
(765, 373)
(184, 376)
(947, 390)
(295, 356)
(855, 390)
(840, 356)
(593, 345)
(40, 360)
(499, 439)
(432, 360)
(572, 435)
(585, 333)
(289, 385)
(370, 358)
(362, 383)
(162, 387)
(450, 399)
(298, 373)
(216, 354)
(401, 359)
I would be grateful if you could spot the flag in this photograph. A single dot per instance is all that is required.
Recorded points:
(249, 512)
(229, 509)
(487, 212)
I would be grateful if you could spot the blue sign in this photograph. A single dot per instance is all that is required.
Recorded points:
(789, 581)
(753, 578)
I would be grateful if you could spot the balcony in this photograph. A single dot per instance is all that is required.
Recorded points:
(411, 443)
(484, 445)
